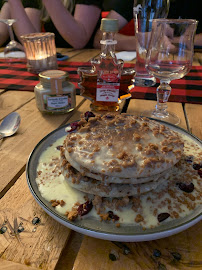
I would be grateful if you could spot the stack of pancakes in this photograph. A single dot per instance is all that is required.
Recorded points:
(119, 155)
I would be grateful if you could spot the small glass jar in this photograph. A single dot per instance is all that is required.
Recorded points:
(54, 93)
(40, 51)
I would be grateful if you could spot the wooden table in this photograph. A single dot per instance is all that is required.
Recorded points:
(49, 245)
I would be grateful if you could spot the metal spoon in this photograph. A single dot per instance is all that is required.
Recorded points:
(10, 125)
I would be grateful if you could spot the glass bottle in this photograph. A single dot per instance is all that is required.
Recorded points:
(103, 79)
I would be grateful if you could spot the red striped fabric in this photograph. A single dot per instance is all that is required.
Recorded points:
(14, 76)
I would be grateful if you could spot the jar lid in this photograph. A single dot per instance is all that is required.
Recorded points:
(109, 25)
(54, 79)
(53, 74)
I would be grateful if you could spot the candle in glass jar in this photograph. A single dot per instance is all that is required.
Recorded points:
(39, 62)
(40, 51)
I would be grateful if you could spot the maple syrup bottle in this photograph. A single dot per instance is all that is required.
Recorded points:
(108, 70)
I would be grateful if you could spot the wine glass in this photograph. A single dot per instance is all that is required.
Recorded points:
(169, 58)
(13, 46)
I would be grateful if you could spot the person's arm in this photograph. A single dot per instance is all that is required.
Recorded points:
(124, 43)
(198, 39)
(27, 19)
(77, 29)
(4, 14)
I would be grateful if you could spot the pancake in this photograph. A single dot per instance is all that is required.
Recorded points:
(95, 187)
(123, 146)
(112, 179)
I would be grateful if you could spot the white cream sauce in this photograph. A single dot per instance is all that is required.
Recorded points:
(52, 186)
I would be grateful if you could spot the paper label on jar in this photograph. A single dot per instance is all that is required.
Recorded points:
(108, 92)
(56, 103)
(56, 86)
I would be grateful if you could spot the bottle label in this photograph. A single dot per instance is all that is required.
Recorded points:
(110, 77)
(108, 92)
(57, 102)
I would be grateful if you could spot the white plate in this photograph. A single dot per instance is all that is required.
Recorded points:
(126, 56)
(14, 55)
(104, 230)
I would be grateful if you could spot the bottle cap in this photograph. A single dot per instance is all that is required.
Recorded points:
(109, 25)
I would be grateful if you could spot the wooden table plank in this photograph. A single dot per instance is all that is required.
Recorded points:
(38, 245)
(70, 52)
(70, 252)
(47, 250)
(16, 149)
(194, 118)
(40, 249)
(94, 253)
(197, 59)
(64, 50)
(85, 55)
(137, 106)
(13, 100)
(6, 265)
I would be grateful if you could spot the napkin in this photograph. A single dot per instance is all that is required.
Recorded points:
(126, 56)
(13, 55)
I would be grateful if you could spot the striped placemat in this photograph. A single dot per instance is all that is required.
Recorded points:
(14, 76)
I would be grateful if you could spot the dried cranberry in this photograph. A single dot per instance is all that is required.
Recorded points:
(88, 115)
(58, 147)
(196, 166)
(113, 216)
(85, 208)
(189, 159)
(73, 126)
(200, 173)
(109, 116)
(186, 187)
(161, 217)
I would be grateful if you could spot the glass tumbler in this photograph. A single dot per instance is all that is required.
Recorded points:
(40, 51)
(144, 12)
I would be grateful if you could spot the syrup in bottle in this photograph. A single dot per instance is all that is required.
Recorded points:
(107, 70)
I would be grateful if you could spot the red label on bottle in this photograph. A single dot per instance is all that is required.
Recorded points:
(107, 92)
(110, 77)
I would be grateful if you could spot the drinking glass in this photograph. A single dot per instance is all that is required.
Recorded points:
(144, 12)
(13, 46)
(40, 51)
(169, 58)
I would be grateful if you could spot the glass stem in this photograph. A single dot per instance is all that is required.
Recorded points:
(10, 30)
(163, 93)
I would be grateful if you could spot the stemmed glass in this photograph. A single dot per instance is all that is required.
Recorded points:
(169, 58)
(13, 46)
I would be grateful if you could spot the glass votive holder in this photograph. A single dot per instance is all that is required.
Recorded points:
(40, 51)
